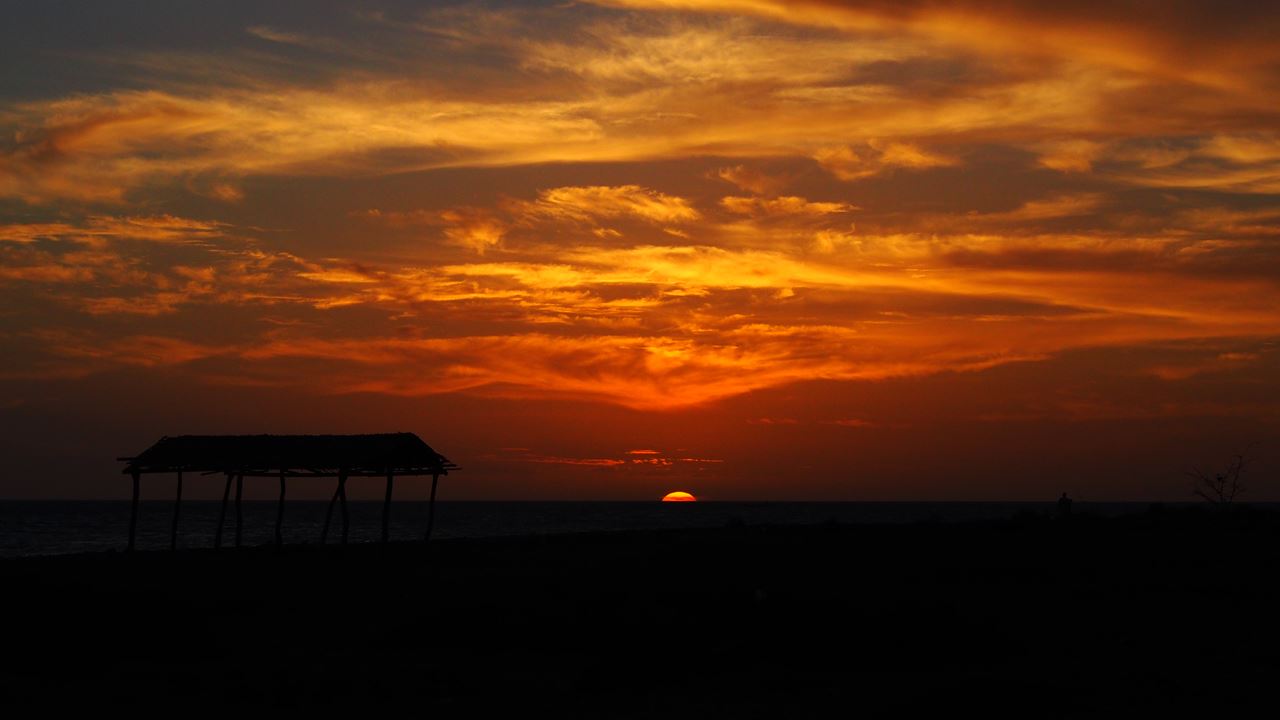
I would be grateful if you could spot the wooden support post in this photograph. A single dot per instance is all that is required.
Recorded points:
(222, 514)
(386, 508)
(342, 498)
(239, 517)
(133, 514)
(328, 515)
(177, 510)
(431, 506)
(280, 512)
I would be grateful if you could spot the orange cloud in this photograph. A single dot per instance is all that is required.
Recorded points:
(1241, 163)
(654, 459)
(847, 164)
(702, 357)
(584, 204)
(1053, 207)
(653, 91)
(1071, 84)
(752, 179)
(1185, 39)
(156, 228)
(1075, 155)
(786, 205)
(475, 230)
(998, 178)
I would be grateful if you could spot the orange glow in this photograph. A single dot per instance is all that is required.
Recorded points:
(679, 496)
(658, 242)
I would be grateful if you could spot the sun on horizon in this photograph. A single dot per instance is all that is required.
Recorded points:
(679, 496)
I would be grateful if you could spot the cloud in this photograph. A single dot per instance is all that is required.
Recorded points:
(30, 232)
(1058, 206)
(644, 88)
(652, 459)
(102, 256)
(829, 241)
(852, 422)
(1221, 363)
(99, 148)
(137, 350)
(471, 229)
(1238, 163)
(786, 205)
(476, 229)
(1075, 155)
(224, 191)
(672, 51)
(44, 273)
(1185, 39)
(153, 265)
(752, 179)
(586, 204)
(659, 327)
(650, 373)
(551, 219)
(277, 36)
(846, 163)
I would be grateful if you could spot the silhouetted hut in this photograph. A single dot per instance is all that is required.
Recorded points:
(288, 456)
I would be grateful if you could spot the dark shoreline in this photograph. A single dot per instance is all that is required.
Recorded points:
(1032, 616)
(65, 527)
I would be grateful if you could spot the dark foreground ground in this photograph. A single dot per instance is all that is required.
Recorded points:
(1161, 614)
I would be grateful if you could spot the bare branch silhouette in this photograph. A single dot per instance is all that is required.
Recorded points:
(1220, 488)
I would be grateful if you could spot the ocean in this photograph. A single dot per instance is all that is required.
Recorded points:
(60, 527)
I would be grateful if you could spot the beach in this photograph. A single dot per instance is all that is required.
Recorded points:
(1033, 616)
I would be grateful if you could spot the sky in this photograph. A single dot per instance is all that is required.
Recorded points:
(750, 249)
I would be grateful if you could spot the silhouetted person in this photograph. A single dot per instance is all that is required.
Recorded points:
(1064, 506)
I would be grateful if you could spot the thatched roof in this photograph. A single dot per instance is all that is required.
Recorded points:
(309, 455)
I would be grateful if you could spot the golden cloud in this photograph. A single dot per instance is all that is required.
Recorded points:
(786, 205)
(156, 228)
(649, 289)
(918, 76)
(1075, 155)
(661, 327)
(848, 164)
(478, 231)
(585, 204)
(1184, 40)
(752, 179)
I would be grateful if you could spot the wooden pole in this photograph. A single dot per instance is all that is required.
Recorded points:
(431, 506)
(133, 513)
(386, 507)
(342, 497)
(177, 509)
(328, 515)
(239, 517)
(280, 512)
(222, 514)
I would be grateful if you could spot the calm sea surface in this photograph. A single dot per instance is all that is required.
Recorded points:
(56, 527)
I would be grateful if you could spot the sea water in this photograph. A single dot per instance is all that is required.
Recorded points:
(59, 527)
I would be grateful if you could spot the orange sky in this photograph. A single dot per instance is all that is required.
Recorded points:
(749, 249)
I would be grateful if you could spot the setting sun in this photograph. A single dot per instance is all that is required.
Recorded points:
(679, 496)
